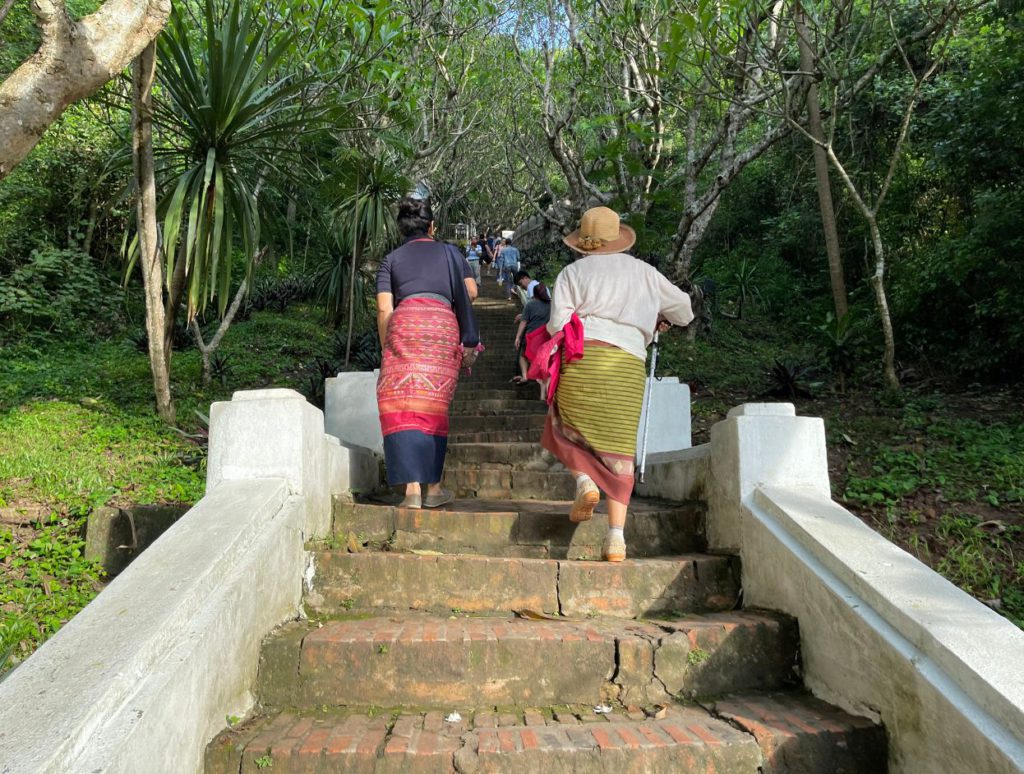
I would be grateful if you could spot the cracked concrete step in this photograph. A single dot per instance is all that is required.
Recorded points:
(487, 481)
(795, 734)
(437, 662)
(375, 580)
(528, 528)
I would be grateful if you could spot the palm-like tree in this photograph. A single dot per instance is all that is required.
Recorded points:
(365, 225)
(228, 118)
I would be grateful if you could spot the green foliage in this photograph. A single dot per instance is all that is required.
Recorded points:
(77, 431)
(733, 359)
(365, 189)
(78, 456)
(230, 118)
(983, 563)
(46, 581)
(64, 191)
(56, 291)
(965, 460)
(697, 656)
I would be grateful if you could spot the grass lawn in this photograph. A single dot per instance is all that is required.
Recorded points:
(77, 431)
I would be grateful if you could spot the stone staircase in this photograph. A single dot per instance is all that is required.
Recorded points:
(411, 659)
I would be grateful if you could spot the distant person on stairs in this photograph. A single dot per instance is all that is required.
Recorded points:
(427, 330)
(474, 252)
(535, 315)
(595, 412)
(508, 265)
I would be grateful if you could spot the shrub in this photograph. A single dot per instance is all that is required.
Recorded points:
(57, 290)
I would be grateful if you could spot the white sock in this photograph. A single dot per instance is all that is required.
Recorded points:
(581, 478)
(616, 532)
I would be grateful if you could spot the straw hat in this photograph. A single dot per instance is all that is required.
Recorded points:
(600, 233)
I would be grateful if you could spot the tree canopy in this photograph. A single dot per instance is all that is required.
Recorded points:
(690, 118)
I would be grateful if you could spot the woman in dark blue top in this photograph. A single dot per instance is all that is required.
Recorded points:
(427, 330)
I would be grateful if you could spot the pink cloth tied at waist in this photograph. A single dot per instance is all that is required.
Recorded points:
(544, 352)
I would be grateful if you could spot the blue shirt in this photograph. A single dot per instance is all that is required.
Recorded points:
(418, 266)
(509, 258)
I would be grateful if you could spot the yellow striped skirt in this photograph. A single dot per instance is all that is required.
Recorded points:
(593, 423)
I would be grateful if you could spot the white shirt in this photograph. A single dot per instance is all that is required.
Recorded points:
(619, 298)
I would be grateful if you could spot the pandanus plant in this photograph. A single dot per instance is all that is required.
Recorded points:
(366, 188)
(228, 114)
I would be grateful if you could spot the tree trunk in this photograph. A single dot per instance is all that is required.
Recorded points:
(5, 9)
(143, 75)
(75, 59)
(878, 285)
(357, 251)
(206, 350)
(175, 293)
(821, 175)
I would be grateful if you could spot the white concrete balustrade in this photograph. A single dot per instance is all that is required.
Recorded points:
(144, 676)
(881, 634)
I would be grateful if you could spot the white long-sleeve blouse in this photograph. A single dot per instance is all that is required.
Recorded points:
(619, 298)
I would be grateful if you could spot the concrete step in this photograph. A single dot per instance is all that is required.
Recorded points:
(374, 580)
(438, 662)
(529, 528)
(502, 482)
(795, 734)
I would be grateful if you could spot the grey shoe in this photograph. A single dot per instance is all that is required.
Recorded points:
(443, 497)
(411, 501)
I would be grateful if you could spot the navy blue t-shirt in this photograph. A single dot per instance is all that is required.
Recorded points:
(419, 266)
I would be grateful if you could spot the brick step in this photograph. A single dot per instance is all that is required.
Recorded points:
(476, 423)
(490, 361)
(779, 733)
(518, 435)
(495, 379)
(502, 482)
(490, 378)
(517, 408)
(530, 528)
(437, 662)
(484, 405)
(375, 580)
(522, 455)
(506, 391)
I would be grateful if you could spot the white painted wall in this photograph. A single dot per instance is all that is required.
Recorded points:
(350, 410)
(669, 427)
(881, 634)
(145, 675)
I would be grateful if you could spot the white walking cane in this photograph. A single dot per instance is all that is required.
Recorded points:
(648, 394)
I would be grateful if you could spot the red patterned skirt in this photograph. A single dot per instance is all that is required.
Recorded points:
(418, 375)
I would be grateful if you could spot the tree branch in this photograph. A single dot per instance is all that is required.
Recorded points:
(74, 61)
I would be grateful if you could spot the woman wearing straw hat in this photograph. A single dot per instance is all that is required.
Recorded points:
(592, 423)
